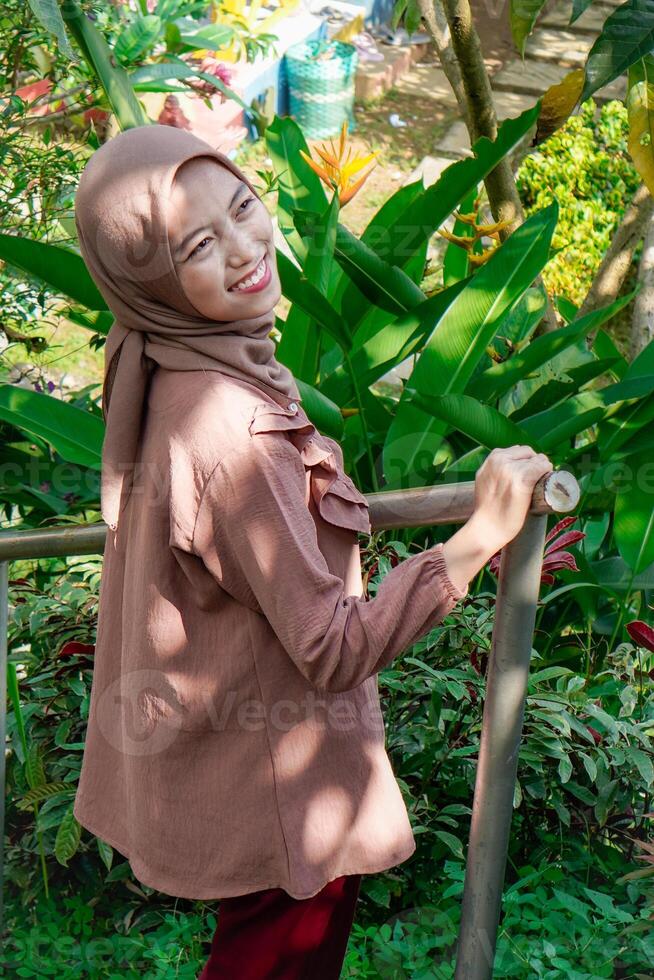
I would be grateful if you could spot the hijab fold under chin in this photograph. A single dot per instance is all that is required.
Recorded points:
(121, 214)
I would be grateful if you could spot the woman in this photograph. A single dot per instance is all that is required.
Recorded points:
(235, 746)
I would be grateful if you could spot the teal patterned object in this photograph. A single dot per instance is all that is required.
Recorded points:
(320, 77)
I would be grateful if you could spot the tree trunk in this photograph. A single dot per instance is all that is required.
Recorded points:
(619, 255)
(439, 30)
(642, 323)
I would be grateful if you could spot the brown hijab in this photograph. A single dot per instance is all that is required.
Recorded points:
(122, 226)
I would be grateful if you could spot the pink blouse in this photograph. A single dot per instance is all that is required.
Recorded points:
(235, 740)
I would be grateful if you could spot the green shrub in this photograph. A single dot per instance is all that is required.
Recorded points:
(587, 168)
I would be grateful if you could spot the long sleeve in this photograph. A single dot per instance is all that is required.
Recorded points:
(256, 536)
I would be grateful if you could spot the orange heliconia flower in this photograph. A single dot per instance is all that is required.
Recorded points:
(338, 171)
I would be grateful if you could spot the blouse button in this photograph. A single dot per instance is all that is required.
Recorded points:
(293, 406)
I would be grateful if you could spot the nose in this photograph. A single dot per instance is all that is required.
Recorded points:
(243, 249)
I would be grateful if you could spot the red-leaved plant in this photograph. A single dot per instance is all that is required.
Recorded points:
(555, 556)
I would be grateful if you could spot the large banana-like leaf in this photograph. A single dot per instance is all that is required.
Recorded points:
(299, 186)
(570, 380)
(626, 37)
(604, 346)
(64, 271)
(380, 283)
(604, 402)
(400, 231)
(297, 288)
(324, 413)
(114, 79)
(76, 435)
(616, 432)
(499, 378)
(299, 348)
(633, 524)
(348, 296)
(429, 210)
(482, 423)
(642, 364)
(390, 345)
(456, 346)
(97, 321)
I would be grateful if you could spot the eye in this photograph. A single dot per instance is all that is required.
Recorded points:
(197, 247)
(246, 201)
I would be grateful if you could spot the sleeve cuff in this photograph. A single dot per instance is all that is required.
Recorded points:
(453, 590)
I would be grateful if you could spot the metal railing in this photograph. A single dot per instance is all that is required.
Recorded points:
(506, 679)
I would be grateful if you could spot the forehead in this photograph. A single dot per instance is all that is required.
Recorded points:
(197, 178)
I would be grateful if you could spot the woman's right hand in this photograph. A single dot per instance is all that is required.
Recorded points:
(504, 486)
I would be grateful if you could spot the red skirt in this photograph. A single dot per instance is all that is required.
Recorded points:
(268, 935)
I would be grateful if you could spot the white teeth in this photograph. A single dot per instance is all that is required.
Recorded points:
(254, 279)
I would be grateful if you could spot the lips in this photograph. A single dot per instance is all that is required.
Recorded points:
(250, 273)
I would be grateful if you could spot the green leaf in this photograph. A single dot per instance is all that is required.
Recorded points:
(299, 347)
(614, 573)
(211, 36)
(64, 271)
(106, 853)
(138, 38)
(34, 771)
(299, 186)
(499, 378)
(324, 413)
(643, 763)
(582, 410)
(565, 769)
(153, 78)
(571, 904)
(633, 525)
(589, 766)
(49, 14)
(380, 283)
(389, 345)
(606, 796)
(627, 36)
(454, 349)
(429, 210)
(603, 717)
(348, 296)
(68, 838)
(452, 842)
(522, 17)
(547, 673)
(76, 435)
(297, 288)
(42, 792)
(480, 422)
(114, 79)
(14, 697)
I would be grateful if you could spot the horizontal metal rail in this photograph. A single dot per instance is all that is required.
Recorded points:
(506, 679)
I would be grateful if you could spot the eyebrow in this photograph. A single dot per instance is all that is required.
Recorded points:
(196, 231)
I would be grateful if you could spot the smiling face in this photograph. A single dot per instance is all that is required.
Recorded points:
(221, 237)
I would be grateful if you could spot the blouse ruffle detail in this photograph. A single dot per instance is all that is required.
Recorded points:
(336, 496)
